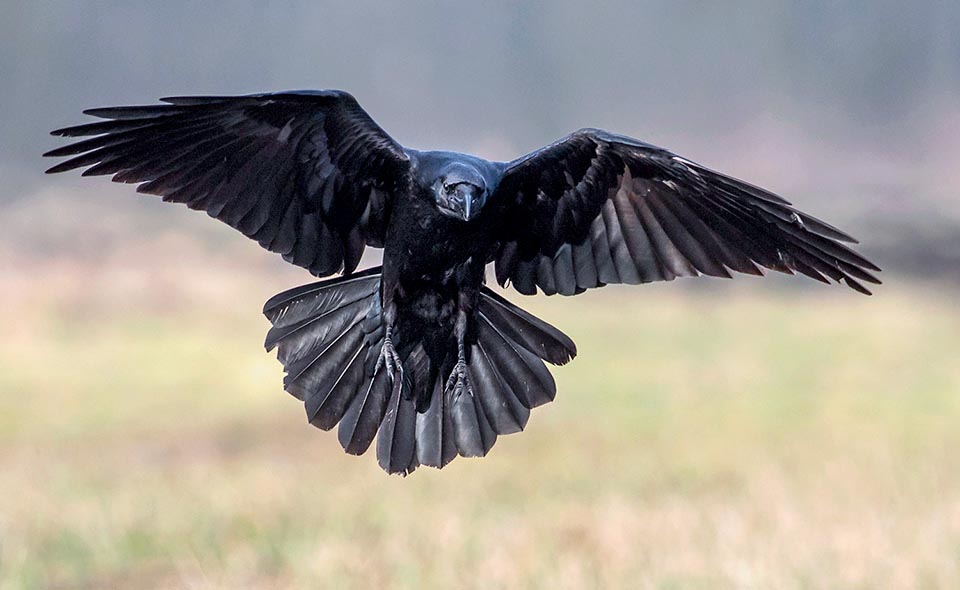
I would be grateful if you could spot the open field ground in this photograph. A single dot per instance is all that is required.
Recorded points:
(755, 434)
(742, 438)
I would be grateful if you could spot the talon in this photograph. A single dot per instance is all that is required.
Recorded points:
(459, 380)
(389, 359)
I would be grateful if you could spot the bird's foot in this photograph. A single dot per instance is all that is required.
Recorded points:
(389, 359)
(459, 380)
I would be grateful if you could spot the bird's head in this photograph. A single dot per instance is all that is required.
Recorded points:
(460, 191)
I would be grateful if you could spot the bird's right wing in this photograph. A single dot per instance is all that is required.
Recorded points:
(597, 208)
(307, 174)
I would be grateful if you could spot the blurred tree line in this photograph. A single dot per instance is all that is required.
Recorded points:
(839, 100)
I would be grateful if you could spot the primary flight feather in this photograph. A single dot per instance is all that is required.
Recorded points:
(417, 353)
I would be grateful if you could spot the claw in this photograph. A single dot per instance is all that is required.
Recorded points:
(459, 380)
(389, 359)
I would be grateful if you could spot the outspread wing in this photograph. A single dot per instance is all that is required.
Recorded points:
(596, 208)
(307, 174)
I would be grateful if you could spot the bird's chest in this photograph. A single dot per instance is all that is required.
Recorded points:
(425, 245)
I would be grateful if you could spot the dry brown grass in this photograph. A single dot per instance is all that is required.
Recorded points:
(739, 439)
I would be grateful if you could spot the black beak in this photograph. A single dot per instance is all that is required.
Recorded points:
(467, 206)
(463, 200)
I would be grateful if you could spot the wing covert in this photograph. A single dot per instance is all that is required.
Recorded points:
(596, 208)
(307, 174)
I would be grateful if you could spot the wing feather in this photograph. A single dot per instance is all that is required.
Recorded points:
(596, 208)
(292, 170)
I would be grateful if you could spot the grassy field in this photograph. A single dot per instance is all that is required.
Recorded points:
(733, 439)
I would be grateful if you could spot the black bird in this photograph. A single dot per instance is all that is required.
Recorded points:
(418, 352)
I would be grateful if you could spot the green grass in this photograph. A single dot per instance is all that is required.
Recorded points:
(700, 440)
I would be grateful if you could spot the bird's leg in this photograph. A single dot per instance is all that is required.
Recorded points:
(389, 358)
(459, 380)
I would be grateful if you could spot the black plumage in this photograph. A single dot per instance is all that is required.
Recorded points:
(417, 353)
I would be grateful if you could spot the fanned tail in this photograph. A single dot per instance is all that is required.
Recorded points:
(329, 336)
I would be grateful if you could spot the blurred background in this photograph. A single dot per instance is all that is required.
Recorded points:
(751, 433)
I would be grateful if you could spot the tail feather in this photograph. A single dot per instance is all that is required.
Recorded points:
(435, 443)
(501, 405)
(328, 320)
(396, 441)
(531, 382)
(315, 299)
(361, 422)
(329, 335)
(331, 399)
(473, 434)
(298, 344)
(314, 329)
(532, 333)
(311, 364)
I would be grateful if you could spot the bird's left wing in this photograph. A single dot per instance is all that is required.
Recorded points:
(596, 208)
(307, 174)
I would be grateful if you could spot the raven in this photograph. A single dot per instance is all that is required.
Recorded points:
(418, 353)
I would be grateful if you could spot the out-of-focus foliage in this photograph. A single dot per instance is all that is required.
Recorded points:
(850, 112)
